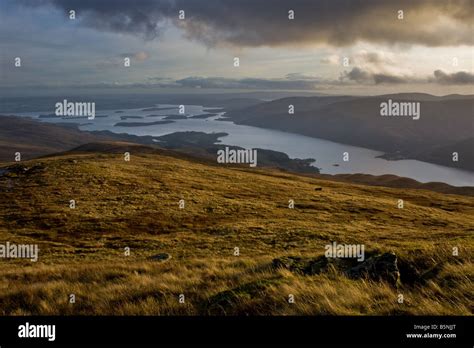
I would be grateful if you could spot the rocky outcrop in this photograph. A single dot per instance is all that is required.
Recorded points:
(378, 267)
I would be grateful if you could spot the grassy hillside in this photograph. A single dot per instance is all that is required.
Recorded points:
(191, 251)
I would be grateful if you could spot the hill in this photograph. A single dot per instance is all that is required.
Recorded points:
(134, 206)
(445, 124)
(33, 139)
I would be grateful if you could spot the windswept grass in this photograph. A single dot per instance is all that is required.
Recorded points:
(135, 204)
(220, 287)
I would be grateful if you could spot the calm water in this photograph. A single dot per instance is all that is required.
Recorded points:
(327, 153)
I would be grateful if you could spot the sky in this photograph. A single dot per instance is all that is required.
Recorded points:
(330, 47)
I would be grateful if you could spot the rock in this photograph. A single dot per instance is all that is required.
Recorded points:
(432, 272)
(161, 257)
(409, 275)
(228, 302)
(20, 169)
(318, 188)
(307, 266)
(291, 263)
(37, 168)
(377, 267)
(380, 268)
(319, 265)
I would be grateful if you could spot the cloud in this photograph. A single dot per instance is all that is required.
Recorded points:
(357, 75)
(300, 76)
(458, 78)
(440, 77)
(158, 79)
(362, 76)
(304, 83)
(372, 58)
(139, 56)
(287, 83)
(109, 63)
(362, 59)
(145, 18)
(389, 79)
(332, 59)
(114, 62)
(265, 23)
(295, 81)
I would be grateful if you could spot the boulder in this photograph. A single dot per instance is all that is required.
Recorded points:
(311, 266)
(379, 268)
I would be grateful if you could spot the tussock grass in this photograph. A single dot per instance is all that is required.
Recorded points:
(135, 204)
(222, 287)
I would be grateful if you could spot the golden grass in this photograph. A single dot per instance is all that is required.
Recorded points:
(135, 204)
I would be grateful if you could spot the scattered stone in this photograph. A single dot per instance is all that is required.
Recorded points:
(19, 169)
(161, 257)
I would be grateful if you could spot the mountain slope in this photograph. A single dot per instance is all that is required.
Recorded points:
(135, 204)
(444, 122)
(33, 139)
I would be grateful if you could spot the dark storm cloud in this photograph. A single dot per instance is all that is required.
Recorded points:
(143, 18)
(458, 78)
(266, 23)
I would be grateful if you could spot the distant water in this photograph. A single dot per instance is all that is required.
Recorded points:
(328, 154)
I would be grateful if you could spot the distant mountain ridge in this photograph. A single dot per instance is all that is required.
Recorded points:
(446, 124)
